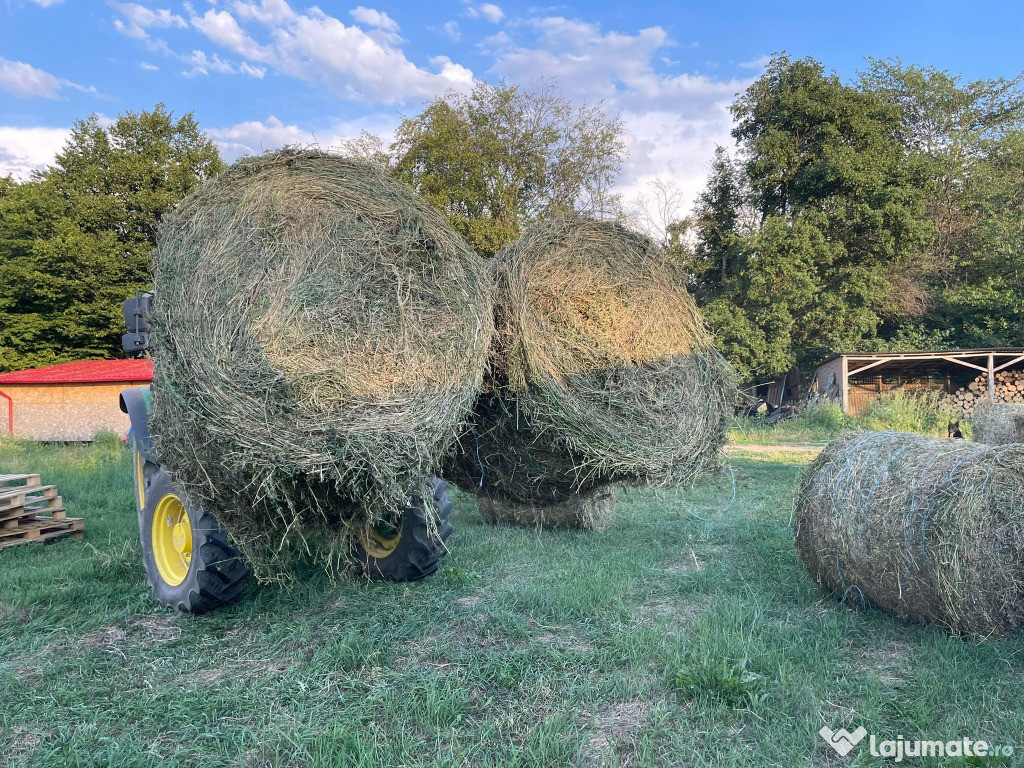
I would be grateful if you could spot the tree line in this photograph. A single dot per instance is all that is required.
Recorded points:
(881, 214)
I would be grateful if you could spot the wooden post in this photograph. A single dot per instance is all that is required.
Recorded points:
(844, 380)
(991, 378)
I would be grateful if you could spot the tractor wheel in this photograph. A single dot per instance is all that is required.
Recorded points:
(190, 563)
(414, 549)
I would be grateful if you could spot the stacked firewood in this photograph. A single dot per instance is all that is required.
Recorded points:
(1009, 389)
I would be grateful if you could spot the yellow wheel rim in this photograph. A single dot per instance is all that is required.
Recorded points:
(378, 544)
(140, 479)
(172, 540)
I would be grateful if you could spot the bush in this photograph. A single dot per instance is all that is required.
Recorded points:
(928, 413)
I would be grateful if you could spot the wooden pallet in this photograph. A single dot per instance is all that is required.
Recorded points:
(41, 529)
(30, 511)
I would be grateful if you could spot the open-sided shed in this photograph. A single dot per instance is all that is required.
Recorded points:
(70, 401)
(856, 379)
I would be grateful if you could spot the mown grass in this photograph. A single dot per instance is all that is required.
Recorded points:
(687, 634)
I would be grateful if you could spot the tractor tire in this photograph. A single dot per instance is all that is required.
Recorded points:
(190, 562)
(415, 550)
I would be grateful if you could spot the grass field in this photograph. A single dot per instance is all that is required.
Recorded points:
(687, 634)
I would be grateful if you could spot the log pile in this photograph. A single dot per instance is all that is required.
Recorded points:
(1009, 389)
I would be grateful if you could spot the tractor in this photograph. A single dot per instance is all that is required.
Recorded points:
(189, 559)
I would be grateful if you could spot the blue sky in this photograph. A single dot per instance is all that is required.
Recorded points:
(262, 73)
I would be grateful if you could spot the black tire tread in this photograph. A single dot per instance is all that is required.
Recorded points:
(420, 551)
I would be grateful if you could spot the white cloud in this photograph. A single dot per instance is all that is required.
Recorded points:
(672, 122)
(759, 63)
(137, 19)
(247, 69)
(204, 65)
(148, 67)
(47, 3)
(256, 136)
(354, 63)
(451, 31)
(267, 12)
(21, 79)
(373, 18)
(23, 150)
(489, 11)
(221, 28)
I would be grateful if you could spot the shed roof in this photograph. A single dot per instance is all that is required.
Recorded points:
(84, 372)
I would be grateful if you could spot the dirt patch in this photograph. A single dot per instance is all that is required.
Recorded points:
(680, 610)
(422, 653)
(23, 742)
(473, 600)
(565, 640)
(109, 639)
(688, 563)
(889, 663)
(159, 626)
(615, 731)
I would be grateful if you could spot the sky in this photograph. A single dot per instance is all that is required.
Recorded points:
(260, 74)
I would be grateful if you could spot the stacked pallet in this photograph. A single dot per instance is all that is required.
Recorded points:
(30, 511)
(1009, 388)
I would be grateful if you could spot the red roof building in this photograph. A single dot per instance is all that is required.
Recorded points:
(69, 401)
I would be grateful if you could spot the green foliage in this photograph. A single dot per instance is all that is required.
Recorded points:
(501, 155)
(883, 215)
(928, 413)
(730, 682)
(77, 238)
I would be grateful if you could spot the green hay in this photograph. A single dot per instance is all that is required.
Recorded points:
(602, 371)
(998, 423)
(929, 529)
(320, 335)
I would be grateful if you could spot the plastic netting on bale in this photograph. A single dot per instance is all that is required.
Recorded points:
(602, 371)
(998, 423)
(929, 529)
(320, 335)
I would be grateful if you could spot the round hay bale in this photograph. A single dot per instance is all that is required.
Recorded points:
(591, 511)
(320, 335)
(602, 371)
(998, 423)
(929, 529)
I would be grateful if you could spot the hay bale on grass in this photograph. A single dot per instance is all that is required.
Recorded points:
(929, 529)
(591, 511)
(998, 423)
(320, 335)
(602, 371)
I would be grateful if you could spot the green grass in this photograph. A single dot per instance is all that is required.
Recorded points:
(817, 423)
(687, 634)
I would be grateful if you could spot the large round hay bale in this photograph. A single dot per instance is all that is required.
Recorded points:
(998, 423)
(602, 371)
(320, 335)
(929, 529)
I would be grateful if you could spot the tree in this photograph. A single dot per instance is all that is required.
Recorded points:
(966, 137)
(838, 203)
(79, 236)
(500, 156)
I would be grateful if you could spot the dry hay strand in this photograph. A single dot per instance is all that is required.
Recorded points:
(320, 336)
(998, 423)
(602, 371)
(929, 529)
(591, 511)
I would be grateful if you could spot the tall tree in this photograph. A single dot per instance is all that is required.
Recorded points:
(839, 207)
(965, 136)
(79, 236)
(502, 155)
